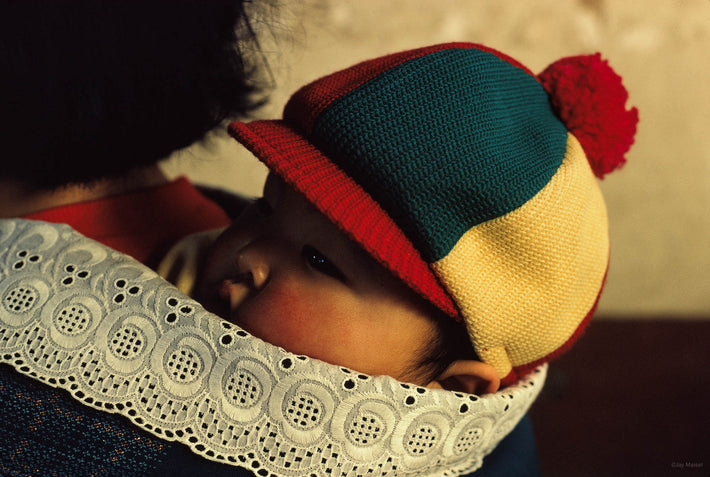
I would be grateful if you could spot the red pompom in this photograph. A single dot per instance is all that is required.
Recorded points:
(590, 99)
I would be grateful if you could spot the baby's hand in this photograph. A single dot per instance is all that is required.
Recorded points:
(181, 264)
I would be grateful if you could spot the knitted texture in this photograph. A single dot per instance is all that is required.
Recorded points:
(344, 202)
(483, 142)
(591, 100)
(532, 285)
(450, 166)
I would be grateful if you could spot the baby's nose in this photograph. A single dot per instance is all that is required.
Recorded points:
(252, 263)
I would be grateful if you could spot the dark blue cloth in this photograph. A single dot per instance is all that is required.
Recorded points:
(516, 455)
(47, 432)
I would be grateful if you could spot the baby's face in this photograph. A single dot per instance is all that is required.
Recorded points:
(287, 275)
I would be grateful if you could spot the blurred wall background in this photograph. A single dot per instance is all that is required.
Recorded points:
(659, 204)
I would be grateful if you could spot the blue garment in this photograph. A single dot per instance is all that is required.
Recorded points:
(47, 432)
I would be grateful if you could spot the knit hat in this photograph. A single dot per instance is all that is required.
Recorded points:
(471, 179)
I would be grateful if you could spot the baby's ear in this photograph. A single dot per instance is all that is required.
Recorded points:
(468, 376)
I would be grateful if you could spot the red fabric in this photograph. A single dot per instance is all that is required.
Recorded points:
(590, 99)
(144, 223)
(343, 201)
(311, 100)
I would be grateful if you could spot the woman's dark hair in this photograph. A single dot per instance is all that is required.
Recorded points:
(94, 88)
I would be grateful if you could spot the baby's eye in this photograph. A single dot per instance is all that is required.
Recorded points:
(263, 206)
(321, 263)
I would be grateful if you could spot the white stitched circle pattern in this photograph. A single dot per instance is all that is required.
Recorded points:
(243, 388)
(73, 319)
(20, 299)
(422, 439)
(127, 342)
(366, 429)
(248, 403)
(184, 365)
(304, 410)
(468, 439)
(304, 404)
(365, 426)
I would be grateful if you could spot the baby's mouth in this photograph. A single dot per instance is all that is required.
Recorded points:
(235, 290)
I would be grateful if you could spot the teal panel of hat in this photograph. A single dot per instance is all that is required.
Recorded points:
(445, 142)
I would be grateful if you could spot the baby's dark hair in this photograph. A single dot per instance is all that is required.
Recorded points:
(450, 343)
(93, 89)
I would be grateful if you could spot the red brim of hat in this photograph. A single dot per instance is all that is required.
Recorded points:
(287, 153)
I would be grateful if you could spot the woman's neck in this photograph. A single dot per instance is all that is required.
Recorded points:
(17, 199)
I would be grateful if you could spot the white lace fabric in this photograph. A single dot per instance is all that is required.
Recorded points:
(85, 318)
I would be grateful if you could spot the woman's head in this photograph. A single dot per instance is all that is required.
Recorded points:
(92, 89)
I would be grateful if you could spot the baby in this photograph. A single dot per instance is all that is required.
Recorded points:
(432, 215)
(288, 275)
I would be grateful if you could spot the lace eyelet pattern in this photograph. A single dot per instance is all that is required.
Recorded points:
(158, 358)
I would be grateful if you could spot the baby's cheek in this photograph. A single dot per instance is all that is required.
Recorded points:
(297, 318)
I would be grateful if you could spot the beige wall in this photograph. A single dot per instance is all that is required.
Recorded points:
(659, 204)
